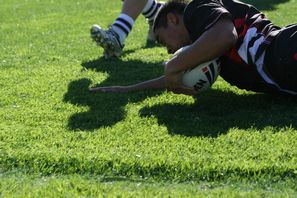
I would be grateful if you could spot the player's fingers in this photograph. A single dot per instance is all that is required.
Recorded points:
(94, 89)
(97, 89)
(185, 90)
(189, 90)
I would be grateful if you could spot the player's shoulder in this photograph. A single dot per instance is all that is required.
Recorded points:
(192, 6)
(203, 2)
(196, 4)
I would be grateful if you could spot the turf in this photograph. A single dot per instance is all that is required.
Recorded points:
(57, 139)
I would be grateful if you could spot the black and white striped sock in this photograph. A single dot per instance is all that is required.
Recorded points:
(123, 26)
(150, 9)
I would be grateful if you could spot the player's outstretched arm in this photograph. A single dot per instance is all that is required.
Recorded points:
(157, 83)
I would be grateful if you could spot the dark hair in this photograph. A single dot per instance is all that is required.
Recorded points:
(172, 6)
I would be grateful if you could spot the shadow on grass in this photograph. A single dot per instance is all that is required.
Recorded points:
(106, 109)
(215, 112)
(265, 4)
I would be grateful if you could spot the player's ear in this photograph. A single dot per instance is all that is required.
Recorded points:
(172, 18)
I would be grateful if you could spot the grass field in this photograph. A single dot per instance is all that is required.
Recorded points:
(57, 139)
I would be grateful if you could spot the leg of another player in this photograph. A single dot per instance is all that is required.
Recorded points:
(149, 12)
(113, 39)
(133, 8)
(148, 8)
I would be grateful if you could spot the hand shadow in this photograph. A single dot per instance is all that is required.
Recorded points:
(215, 112)
(106, 109)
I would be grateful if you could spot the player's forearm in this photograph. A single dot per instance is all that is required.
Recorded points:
(213, 43)
(157, 83)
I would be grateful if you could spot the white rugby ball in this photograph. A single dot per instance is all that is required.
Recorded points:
(202, 76)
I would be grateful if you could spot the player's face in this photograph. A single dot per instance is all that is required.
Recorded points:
(169, 39)
(174, 35)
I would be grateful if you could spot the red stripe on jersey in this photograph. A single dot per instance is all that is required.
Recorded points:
(295, 56)
(233, 55)
(243, 33)
(238, 23)
(204, 69)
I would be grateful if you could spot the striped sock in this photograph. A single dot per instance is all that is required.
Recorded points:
(123, 26)
(150, 9)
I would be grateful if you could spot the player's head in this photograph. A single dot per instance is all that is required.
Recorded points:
(169, 26)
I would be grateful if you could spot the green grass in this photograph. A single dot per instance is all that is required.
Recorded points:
(57, 139)
(18, 185)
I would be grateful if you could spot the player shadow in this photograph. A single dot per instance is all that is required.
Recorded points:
(215, 112)
(129, 51)
(106, 109)
(265, 4)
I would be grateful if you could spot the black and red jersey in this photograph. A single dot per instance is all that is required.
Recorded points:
(244, 65)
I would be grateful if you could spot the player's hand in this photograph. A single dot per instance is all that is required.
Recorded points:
(114, 89)
(173, 82)
(185, 90)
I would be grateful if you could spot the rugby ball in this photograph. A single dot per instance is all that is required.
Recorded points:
(202, 76)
